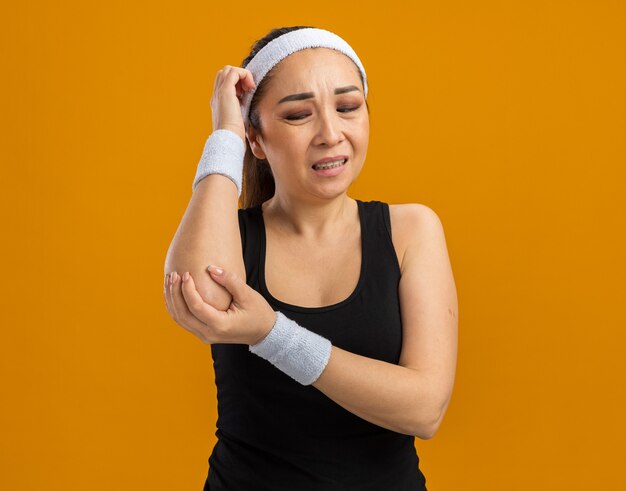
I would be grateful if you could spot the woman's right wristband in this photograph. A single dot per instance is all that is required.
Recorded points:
(223, 154)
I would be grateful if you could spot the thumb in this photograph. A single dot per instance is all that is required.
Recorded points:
(228, 280)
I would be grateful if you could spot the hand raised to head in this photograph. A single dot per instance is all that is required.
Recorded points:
(231, 83)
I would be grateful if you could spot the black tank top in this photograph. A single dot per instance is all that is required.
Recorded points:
(276, 434)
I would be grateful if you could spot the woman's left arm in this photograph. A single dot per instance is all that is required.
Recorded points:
(411, 397)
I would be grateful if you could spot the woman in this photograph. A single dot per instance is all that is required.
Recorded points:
(333, 340)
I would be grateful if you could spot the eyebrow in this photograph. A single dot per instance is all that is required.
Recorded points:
(310, 95)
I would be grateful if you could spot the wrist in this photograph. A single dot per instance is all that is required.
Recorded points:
(223, 153)
(296, 351)
(239, 131)
(268, 326)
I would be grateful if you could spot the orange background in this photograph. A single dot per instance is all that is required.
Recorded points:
(507, 118)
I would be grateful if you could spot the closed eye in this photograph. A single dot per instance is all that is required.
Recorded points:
(295, 117)
(348, 109)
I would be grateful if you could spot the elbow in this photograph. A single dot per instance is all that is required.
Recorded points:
(429, 424)
(426, 432)
(211, 292)
(426, 429)
(430, 431)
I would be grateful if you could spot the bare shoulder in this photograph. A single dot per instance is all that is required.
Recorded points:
(413, 225)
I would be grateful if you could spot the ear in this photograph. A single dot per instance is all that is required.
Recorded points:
(256, 141)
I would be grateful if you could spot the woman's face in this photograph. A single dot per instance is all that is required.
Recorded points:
(313, 108)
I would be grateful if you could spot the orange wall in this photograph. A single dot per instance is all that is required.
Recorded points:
(507, 118)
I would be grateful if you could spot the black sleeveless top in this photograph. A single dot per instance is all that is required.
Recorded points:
(276, 434)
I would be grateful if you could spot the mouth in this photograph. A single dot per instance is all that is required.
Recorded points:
(326, 164)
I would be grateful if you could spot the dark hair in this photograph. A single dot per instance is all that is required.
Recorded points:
(258, 182)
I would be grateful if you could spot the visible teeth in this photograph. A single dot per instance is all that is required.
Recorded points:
(329, 165)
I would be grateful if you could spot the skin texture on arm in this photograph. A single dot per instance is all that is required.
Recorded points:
(209, 230)
(209, 234)
(411, 397)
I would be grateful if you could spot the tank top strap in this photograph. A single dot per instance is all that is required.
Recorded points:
(249, 220)
(379, 238)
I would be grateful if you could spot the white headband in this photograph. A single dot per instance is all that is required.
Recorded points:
(289, 43)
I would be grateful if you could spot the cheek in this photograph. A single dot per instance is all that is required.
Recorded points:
(294, 143)
(364, 132)
(363, 122)
(366, 121)
(289, 151)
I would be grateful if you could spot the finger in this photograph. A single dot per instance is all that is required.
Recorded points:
(166, 294)
(170, 296)
(216, 81)
(206, 313)
(246, 80)
(241, 79)
(243, 74)
(195, 330)
(229, 280)
(184, 316)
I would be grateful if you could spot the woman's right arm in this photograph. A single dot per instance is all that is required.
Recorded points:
(209, 230)
(209, 234)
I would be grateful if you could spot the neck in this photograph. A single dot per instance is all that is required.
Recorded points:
(317, 221)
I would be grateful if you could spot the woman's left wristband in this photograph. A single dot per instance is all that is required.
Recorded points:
(296, 351)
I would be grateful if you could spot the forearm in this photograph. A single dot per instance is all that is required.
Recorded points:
(394, 397)
(209, 234)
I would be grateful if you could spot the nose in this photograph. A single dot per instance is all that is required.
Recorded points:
(329, 131)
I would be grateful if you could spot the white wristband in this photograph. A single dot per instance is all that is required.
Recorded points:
(223, 154)
(300, 353)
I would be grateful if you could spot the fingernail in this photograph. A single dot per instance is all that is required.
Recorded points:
(185, 276)
(215, 270)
